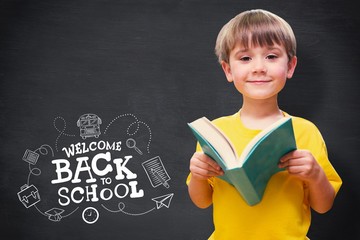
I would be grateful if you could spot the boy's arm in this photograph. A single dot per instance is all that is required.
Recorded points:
(202, 167)
(200, 192)
(302, 164)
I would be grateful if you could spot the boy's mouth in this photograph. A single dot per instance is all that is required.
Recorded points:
(258, 81)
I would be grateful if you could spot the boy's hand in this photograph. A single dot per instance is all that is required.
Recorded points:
(204, 167)
(301, 163)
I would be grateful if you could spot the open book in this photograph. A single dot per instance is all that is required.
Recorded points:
(251, 171)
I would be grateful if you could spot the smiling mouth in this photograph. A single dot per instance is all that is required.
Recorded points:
(259, 81)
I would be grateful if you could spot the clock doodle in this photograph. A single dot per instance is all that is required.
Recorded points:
(90, 215)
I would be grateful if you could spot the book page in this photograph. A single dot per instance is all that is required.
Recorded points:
(261, 135)
(217, 139)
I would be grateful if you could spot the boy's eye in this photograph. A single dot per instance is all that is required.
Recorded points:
(271, 56)
(245, 59)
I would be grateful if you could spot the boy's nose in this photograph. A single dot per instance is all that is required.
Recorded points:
(259, 67)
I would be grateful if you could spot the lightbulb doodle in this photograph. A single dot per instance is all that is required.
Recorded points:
(91, 168)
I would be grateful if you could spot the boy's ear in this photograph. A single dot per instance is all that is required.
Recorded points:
(291, 67)
(227, 70)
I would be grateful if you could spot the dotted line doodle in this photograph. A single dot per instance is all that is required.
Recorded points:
(120, 116)
(121, 207)
(150, 136)
(136, 123)
(61, 132)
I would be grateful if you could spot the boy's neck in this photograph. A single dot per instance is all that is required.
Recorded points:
(260, 115)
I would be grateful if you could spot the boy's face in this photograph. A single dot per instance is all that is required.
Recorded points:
(259, 72)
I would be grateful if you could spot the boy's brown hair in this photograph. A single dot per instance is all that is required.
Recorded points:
(256, 27)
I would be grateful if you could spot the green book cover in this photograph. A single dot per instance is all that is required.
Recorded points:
(250, 172)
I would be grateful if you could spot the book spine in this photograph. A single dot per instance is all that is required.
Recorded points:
(241, 182)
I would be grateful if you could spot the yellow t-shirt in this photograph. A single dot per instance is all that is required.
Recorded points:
(284, 212)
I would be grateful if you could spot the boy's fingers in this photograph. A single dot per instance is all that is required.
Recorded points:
(211, 166)
(204, 170)
(212, 163)
(207, 163)
(291, 155)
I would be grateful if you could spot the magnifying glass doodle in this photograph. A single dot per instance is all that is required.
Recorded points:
(131, 143)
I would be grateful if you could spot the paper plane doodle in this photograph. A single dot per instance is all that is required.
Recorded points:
(163, 201)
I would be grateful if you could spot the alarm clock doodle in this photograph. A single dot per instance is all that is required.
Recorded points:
(93, 167)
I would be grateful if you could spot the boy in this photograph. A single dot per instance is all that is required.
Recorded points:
(257, 51)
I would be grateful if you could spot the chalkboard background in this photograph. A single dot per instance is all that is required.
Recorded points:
(146, 68)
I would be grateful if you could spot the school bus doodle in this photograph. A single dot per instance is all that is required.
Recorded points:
(89, 125)
(94, 169)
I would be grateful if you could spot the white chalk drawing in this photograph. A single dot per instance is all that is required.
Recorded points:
(90, 215)
(61, 131)
(121, 207)
(29, 194)
(156, 172)
(131, 143)
(136, 123)
(161, 201)
(54, 214)
(30, 156)
(89, 127)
